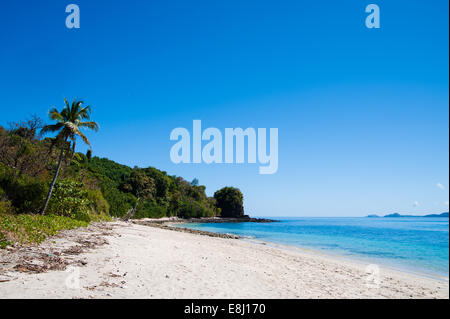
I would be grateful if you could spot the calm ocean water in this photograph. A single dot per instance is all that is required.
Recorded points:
(416, 244)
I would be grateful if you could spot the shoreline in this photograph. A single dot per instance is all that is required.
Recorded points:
(351, 259)
(127, 260)
(205, 220)
(168, 224)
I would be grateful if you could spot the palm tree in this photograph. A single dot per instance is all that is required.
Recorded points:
(68, 124)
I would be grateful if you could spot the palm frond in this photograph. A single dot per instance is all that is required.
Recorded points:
(90, 125)
(51, 128)
(83, 137)
(84, 113)
(69, 121)
(54, 115)
(67, 103)
(74, 109)
(65, 113)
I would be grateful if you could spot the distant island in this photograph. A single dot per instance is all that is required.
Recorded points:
(400, 215)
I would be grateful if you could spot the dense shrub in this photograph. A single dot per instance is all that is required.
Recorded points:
(3, 240)
(119, 202)
(27, 194)
(98, 203)
(6, 207)
(189, 208)
(150, 209)
(230, 201)
(70, 199)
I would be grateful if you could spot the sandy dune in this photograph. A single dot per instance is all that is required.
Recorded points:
(124, 260)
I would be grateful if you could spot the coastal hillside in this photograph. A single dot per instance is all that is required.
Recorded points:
(90, 188)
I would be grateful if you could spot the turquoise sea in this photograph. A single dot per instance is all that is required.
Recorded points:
(417, 244)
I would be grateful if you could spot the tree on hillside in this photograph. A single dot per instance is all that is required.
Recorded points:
(20, 148)
(141, 186)
(28, 128)
(230, 201)
(69, 121)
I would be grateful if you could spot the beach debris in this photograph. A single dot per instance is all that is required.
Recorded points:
(74, 250)
(186, 230)
(90, 288)
(50, 255)
(107, 284)
(45, 262)
(92, 241)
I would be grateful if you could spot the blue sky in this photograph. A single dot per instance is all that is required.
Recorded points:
(362, 113)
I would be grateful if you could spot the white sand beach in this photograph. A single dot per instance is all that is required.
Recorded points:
(126, 260)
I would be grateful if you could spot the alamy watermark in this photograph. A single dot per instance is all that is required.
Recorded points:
(73, 19)
(73, 279)
(372, 278)
(213, 151)
(373, 19)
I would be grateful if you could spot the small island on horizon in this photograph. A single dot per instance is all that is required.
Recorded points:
(400, 215)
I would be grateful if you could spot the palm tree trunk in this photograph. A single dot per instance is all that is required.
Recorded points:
(52, 185)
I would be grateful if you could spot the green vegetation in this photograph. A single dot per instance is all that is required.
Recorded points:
(3, 241)
(46, 186)
(26, 229)
(230, 201)
(70, 199)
